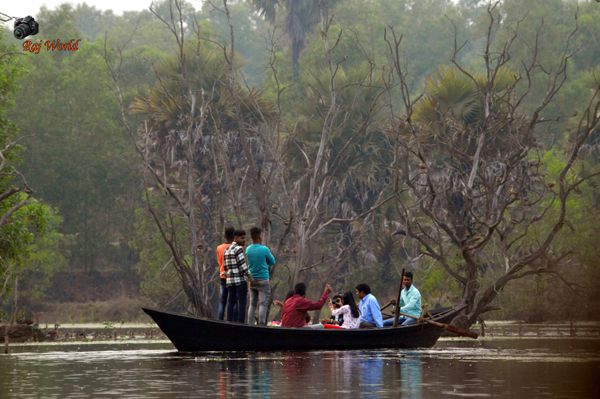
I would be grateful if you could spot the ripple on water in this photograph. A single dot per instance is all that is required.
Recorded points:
(466, 394)
(519, 355)
(476, 371)
(94, 356)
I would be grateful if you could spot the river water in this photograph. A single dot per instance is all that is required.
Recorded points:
(510, 368)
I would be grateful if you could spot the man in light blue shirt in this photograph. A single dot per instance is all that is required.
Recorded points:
(370, 314)
(260, 262)
(410, 302)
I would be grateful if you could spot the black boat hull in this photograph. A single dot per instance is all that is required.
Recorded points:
(192, 334)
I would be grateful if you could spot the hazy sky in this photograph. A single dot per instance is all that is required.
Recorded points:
(21, 8)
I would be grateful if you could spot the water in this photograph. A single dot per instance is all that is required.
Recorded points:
(515, 368)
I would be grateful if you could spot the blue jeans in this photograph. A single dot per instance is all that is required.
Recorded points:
(402, 321)
(260, 294)
(236, 304)
(222, 299)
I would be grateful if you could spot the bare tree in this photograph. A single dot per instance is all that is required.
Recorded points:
(171, 143)
(478, 195)
(194, 149)
(315, 198)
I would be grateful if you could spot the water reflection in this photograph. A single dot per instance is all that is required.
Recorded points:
(411, 370)
(477, 369)
(260, 377)
(371, 376)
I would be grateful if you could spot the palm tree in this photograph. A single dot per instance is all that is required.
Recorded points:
(301, 16)
(450, 95)
(183, 150)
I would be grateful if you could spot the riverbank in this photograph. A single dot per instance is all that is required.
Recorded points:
(127, 332)
(84, 332)
(587, 329)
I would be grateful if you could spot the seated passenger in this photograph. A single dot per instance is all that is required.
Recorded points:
(279, 303)
(349, 311)
(410, 302)
(295, 309)
(335, 303)
(370, 314)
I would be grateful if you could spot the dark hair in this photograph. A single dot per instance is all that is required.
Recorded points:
(300, 289)
(255, 232)
(349, 300)
(229, 231)
(336, 297)
(408, 274)
(362, 287)
(238, 233)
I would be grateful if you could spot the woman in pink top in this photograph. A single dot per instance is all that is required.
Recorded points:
(349, 310)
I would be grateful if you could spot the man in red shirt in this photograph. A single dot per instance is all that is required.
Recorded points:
(295, 308)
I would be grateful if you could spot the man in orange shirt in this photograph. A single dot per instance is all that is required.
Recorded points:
(221, 260)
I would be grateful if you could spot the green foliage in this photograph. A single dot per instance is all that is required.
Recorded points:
(451, 93)
(434, 281)
(299, 20)
(250, 33)
(78, 157)
(29, 240)
(32, 248)
(159, 282)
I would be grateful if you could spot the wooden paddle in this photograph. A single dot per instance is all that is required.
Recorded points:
(447, 327)
(397, 310)
(387, 305)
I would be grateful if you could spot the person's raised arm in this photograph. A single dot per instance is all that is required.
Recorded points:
(307, 304)
(344, 310)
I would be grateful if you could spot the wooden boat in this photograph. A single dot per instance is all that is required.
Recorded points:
(191, 334)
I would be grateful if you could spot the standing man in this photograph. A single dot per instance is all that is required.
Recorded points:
(236, 271)
(410, 300)
(370, 314)
(260, 262)
(221, 261)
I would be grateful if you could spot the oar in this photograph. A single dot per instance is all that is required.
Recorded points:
(447, 327)
(387, 305)
(397, 309)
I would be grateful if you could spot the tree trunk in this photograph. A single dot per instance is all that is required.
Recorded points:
(301, 252)
(13, 316)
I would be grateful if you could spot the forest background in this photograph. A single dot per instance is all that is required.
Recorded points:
(299, 107)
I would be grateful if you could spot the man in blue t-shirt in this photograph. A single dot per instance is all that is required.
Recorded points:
(260, 262)
(370, 315)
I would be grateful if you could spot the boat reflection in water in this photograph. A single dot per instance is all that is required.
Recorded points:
(339, 373)
(411, 371)
(507, 368)
(371, 376)
(403, 375)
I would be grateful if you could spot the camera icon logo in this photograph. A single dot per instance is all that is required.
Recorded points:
(25, 27)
